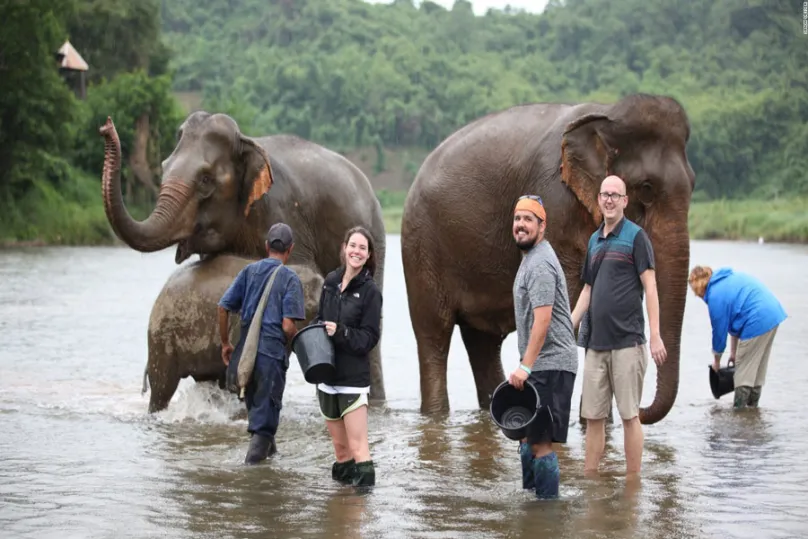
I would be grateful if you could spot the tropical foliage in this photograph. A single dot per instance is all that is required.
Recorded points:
(395, 76)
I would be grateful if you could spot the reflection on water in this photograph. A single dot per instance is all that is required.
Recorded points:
(79, 456)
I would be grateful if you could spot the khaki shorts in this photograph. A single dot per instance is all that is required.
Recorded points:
(613, 372)
(752, 359)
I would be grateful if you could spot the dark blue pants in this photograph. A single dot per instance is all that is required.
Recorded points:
(264, 395)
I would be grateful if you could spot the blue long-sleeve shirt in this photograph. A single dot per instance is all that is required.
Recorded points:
(285, 300)
(740, 305)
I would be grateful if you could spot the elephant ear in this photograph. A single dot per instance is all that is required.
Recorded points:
(585, 158)
(258, 177)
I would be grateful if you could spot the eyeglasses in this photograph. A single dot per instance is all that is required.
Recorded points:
(614, 196)
(532, 197)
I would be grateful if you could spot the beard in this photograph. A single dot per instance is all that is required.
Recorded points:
(527, 243)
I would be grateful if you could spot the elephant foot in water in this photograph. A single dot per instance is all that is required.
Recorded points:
(164, 387)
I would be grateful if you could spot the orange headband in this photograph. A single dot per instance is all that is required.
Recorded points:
(532, 206)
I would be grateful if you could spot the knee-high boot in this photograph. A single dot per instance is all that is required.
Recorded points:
(754, 396)
(526, 456)
(343, 471)
(546, 476)
(365, 474)
(742, 394)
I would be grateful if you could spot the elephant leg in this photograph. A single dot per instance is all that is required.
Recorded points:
(484, 356)
(377, 392)
(433, 335)
(163, 387)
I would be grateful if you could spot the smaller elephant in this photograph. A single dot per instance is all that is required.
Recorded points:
(183, 334)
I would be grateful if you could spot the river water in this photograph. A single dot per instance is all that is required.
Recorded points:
(80, 457)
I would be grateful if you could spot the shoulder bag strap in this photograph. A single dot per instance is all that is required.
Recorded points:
(247, 361)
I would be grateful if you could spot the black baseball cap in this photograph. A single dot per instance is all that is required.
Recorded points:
(280, 237)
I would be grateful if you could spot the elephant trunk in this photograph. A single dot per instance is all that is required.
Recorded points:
(162, 228)
(672, 254)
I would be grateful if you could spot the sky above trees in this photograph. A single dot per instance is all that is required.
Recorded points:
(481, 6)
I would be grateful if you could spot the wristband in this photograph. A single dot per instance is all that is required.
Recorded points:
(525, 368)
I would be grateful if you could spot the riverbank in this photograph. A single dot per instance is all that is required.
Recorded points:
(72, 214)
(776, 221)
(76, 217)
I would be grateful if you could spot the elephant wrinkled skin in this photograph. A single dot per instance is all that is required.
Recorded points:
(460, 259)
(221, 191)
(183, 334)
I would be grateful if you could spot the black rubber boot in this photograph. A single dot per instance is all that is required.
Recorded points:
(365, 475)
(754, 397)
(343, 471)
(260, 448)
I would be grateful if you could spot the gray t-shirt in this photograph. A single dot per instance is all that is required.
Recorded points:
(540, 281)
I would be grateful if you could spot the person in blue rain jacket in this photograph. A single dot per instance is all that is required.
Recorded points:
(742, 307)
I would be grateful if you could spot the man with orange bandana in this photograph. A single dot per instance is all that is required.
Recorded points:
(549, 356)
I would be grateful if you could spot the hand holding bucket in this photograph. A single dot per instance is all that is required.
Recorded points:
(722, 381)
(514, 410)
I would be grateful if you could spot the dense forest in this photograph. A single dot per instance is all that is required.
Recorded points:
(389, 77)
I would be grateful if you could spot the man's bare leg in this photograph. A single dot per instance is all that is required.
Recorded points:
(595, 444)
(633, 442)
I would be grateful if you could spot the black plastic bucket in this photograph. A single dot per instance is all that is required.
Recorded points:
(315, 353)
(723, 381)
(514, 410)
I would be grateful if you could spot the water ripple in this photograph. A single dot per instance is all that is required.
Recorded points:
(80, 457)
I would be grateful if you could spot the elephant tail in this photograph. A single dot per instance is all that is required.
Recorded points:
(145, 387)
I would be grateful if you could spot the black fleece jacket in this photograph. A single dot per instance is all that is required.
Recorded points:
(357, 311)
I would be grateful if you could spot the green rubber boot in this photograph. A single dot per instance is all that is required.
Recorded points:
(343, 471)
(365, 475)
(742, 394)
(754, 397)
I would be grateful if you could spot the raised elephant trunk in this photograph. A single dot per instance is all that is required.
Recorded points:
(672, 254)
(159, 230)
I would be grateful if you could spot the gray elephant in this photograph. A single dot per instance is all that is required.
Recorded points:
(183, 334)
(222, 190)
(458, 253)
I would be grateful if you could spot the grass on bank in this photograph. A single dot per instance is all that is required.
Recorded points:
(69, 215)
(783, 220)
(73, 214)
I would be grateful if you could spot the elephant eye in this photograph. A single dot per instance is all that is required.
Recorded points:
(646, 192)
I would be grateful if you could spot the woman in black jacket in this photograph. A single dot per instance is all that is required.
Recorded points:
(351, 309)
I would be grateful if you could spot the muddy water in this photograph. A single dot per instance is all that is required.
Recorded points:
(79, 456)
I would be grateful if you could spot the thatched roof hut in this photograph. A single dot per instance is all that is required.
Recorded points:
(70, 60)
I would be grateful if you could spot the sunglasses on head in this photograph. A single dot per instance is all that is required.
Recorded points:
(532, 197)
